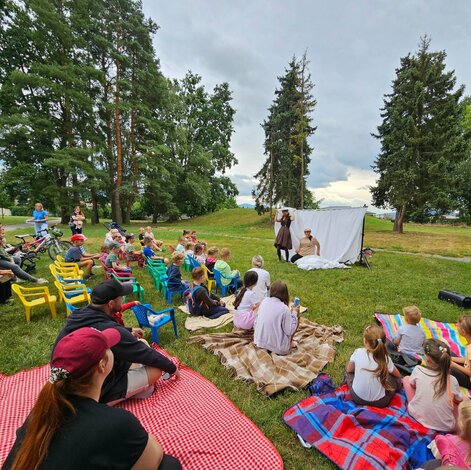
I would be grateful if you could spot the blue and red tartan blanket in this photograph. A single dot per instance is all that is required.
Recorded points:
(361, 437)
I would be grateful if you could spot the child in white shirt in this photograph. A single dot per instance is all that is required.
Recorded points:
(246, 302)
(370, 374)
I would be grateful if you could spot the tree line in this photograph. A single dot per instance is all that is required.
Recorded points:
(86, 114)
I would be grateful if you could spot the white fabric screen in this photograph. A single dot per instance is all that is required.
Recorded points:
(338, 231)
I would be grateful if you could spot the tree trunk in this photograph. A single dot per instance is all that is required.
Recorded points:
(116, 203)
(399, 220)
(154, 217)
(95, 215)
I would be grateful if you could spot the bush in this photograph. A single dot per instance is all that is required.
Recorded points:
(22, 210)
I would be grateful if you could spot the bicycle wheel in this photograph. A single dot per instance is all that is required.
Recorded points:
(57, 247)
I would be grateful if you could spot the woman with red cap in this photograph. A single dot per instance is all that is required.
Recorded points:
(69, 429)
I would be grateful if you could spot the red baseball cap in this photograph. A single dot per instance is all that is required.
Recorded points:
(78, 236)
(81, 350)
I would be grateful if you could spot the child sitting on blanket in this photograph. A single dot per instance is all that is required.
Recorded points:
(431, 392)
(461, 366)
(246, 302)
(410, 338)
(276, 322)
(199, 301)
(370, 374)
(455, 450)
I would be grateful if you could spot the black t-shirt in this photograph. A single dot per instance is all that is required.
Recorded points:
(98, 437)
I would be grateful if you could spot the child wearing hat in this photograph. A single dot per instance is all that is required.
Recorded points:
(77, 254)
(112, 260)
(80, 363)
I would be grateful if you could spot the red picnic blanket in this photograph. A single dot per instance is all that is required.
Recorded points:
(190, 417)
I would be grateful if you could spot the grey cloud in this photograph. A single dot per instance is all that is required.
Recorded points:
(354, 48)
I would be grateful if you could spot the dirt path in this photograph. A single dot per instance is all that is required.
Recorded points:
(464, 259)
(16, 226)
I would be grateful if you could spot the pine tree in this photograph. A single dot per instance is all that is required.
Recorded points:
(421, 137)
(282, 177)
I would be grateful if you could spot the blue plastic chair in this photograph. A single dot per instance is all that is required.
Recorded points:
(193, 262)
(168, 294)
(70, 308)
(218, 276)
(141, 311)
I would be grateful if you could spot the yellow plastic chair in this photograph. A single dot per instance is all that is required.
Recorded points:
(33, 297)
(67, 274)
(70, 267)
(72, 293)
(209, 282)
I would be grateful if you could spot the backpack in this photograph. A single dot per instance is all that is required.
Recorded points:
(193, 307)
(321, 384)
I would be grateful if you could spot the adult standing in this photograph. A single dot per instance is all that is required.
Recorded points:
(69, 429)
(308, 245)
(39, 219)
(283, 238)
(263, 283)
(77, 219)
(136, 367)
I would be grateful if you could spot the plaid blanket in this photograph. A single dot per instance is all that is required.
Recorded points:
(361, 438)
(188, 416)
(270, 372)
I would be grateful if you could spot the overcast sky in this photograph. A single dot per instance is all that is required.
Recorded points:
(354, 48)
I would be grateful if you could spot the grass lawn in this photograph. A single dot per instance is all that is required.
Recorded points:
(345, 297)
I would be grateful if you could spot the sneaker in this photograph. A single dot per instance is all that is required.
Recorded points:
(96, 266)
(41, 280)
(19, 281)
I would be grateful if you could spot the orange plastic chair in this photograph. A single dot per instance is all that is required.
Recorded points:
(34, 297)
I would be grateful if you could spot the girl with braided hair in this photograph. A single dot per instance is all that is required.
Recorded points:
(370, 374)
(431, 391)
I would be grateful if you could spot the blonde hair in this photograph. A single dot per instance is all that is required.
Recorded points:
(225, 252)
(214, 250)
(375, 341)
(257, 261)
(177, 256)
(412, 314)
(465, 323)
(464, 424)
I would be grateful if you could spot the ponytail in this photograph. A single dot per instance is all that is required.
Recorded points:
(440, 356)
(250, 279)
(51, 410)
(376, 341)
(239, 297)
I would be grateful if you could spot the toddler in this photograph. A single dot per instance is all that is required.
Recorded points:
(410, 338)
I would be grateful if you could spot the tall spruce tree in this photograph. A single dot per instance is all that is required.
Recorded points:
(282, 177)
(421, 137)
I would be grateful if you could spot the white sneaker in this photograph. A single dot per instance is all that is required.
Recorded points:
(96, 267)
(19, 281)
(41, 280)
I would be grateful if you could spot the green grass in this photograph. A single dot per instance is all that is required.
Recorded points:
(345, 297)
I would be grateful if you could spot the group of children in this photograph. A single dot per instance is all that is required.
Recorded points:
(432, 390)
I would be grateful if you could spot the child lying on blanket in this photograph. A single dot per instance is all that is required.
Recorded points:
(246, 302)
(461, 366)
(370, 374)
(431, 392)
(454, 450)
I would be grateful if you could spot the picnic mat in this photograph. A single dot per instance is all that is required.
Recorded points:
(190, 417)
(446, 332)
(361, 437)
(270, 372)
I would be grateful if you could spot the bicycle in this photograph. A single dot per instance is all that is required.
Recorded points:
(53, 245)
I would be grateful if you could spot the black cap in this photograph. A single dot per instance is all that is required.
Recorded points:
(110, 290)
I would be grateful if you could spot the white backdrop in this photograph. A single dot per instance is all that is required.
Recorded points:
(338, 231)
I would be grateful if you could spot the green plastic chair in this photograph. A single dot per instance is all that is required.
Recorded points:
(136, 287)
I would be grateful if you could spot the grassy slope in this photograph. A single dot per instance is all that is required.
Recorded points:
(345, 297)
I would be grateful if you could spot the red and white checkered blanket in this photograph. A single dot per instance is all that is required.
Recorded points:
(190, 417)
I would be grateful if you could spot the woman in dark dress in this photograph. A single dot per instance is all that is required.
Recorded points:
(283, 238)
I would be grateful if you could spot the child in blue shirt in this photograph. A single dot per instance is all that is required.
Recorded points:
(148, 252)
(40, 219)
(174, 274)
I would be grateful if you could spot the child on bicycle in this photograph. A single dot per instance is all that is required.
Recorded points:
(77, 254)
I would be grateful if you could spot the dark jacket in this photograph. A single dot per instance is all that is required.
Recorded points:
(128, 351)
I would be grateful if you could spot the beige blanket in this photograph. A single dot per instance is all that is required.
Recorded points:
(271, 372)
